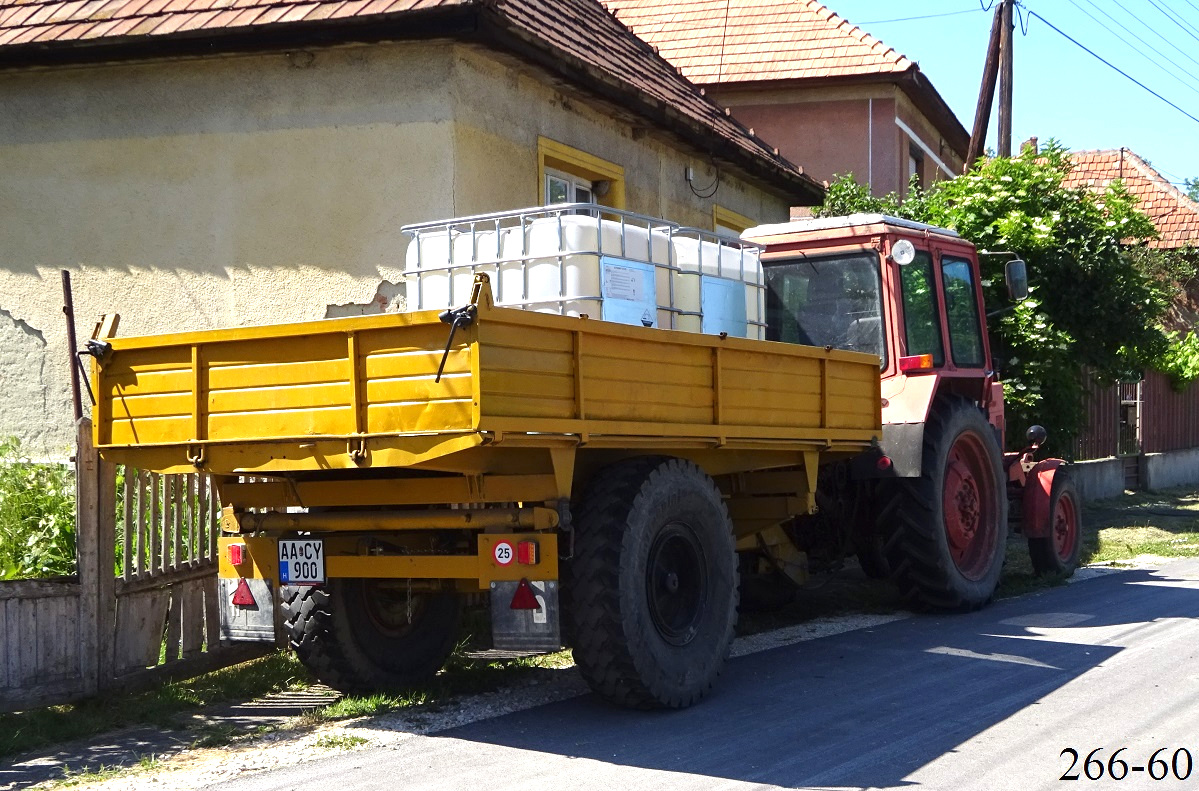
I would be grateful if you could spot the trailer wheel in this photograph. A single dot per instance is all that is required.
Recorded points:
(947, 530)
(363, 635)
(1058, 552)
(654, 598)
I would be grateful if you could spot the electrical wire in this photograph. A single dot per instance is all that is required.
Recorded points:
(1134, 48)
(1181, 17)
(1155, 32)
(1128, 30)
(1108, 63)
(914, 18)
(1172, 19)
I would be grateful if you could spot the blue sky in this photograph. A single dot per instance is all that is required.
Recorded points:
(1061, 91)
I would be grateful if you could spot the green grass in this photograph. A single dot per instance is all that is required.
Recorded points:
(339, 741)
(461, 676)
(163, 707)
(146, 763)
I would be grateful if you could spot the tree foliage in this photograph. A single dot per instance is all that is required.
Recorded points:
(1192, 188)
(1089, 303)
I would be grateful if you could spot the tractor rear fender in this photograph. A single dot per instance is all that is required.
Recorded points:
(1038, 485)
(906, 401)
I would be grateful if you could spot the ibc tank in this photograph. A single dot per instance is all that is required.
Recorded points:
(588, 259)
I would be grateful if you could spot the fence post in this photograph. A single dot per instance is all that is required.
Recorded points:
(95, 530)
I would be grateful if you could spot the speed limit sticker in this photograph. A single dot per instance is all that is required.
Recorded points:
(504, 554)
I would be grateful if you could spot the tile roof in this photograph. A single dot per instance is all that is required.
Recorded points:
(578, 39)
(720, 41)
(1174, 214)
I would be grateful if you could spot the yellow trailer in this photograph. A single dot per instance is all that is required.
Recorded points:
(379, 473)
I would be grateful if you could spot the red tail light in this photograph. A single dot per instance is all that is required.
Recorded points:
(916, 362)
(237, 554)
(527, 553)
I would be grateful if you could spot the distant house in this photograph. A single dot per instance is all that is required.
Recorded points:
(828, 94)
(1173, 212)
(211, 163)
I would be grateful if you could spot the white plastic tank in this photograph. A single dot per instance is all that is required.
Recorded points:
(591, 260)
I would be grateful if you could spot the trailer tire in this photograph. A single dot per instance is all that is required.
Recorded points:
(1058, 552)
(946, 530)
(353, 636)
(653, 598)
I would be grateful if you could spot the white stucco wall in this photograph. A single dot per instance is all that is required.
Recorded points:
(256, 189)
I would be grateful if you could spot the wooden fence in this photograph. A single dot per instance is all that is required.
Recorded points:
(143, 605)
(1133, 418)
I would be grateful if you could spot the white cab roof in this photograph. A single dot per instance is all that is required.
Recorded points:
(829, 223)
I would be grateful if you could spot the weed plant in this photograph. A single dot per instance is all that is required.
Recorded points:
(37, 516)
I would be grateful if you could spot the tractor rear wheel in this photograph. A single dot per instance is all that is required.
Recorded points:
(946, 530)
(653, 595)
(367, 635)
(1058, 552)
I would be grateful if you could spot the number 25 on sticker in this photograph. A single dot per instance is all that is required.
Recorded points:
(503, 553)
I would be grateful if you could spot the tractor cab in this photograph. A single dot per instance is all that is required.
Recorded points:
(905, 291)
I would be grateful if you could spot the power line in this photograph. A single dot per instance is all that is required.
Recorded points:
(1181, 17)
(1134, 48)
(914, 18)
(1108, 63)
(1155, 32)
(1172, 19)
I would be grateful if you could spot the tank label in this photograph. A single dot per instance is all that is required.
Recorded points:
(628, 291)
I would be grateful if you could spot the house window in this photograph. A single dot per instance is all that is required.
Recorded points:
(915, 164)
(729, 223)
(562, 187)
(569, 175)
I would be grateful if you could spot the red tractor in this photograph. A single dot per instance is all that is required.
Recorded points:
(929, 506)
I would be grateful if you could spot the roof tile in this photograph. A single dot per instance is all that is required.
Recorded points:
(1173, 213)
(799, 31)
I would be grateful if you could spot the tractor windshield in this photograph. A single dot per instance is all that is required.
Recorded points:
(827, 301)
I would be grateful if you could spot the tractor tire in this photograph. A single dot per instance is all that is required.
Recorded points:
(872, 560)
(653, 599)
(359, 635)
(946, 531)
(1057, 554)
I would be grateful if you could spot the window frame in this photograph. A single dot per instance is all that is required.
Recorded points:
(556, 156)
(732, 223)
(934, 296)
(976, 325)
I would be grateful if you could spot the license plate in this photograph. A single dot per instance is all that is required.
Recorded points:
(301, 561)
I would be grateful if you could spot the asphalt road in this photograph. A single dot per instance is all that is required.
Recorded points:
(981, 701)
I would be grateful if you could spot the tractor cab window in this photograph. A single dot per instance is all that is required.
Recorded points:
(961, 312)
(827, 301)
(921, 327)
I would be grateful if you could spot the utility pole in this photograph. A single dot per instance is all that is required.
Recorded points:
(986, 92)
(1005, 78)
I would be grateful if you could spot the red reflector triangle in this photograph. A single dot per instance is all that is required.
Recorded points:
(242, 596)
(524, 599)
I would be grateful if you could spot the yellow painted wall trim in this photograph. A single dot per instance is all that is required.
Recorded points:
(730, 219)
(559, 156)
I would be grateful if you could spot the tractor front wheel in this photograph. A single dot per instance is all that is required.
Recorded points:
(1058, 552)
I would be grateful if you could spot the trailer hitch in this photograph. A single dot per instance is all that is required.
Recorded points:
(457, 317)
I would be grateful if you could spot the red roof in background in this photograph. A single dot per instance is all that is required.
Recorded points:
(577, 39)
(719, 41)
(1175, 215)
(46, 21)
